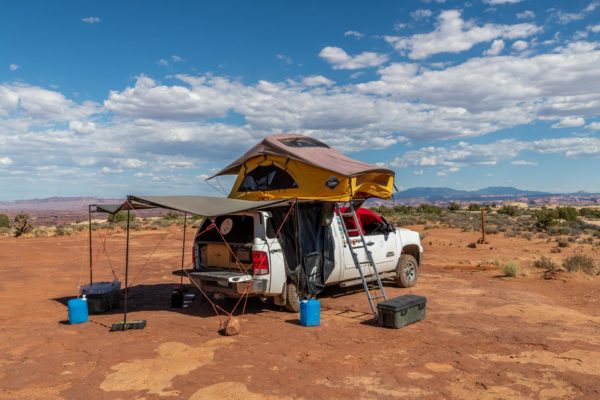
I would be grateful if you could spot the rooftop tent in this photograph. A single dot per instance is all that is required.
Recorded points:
(296, 166)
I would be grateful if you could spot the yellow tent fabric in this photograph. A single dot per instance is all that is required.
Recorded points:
(295, 166)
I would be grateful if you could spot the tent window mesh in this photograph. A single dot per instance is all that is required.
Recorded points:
(303, 142)
(265, 178)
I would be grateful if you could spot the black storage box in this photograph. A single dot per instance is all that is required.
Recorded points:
(99, 303)
(401, 311)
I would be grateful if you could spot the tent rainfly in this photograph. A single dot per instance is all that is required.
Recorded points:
(288, 166)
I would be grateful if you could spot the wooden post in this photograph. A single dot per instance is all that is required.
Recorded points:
(126, 273)
(90, 241)
(482, 239)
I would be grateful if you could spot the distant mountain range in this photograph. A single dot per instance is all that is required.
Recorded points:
(492, 193)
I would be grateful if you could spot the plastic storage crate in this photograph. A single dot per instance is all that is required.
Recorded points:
(401, 311)
(102, 296)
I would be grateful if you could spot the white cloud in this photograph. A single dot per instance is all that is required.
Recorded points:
(524, 163)
(285, 59)
(496, 48)
(453, 35)
(129, 163)
(594, 126)
(421, 14)
(13, 67)
(592, 6)
(177, 59)
(37, 103)
(147, 99)
(355, 34)
(339, 59)
(527, 14)
(83, 127)
(5, 161)
(594, 28)
(569, 122)
(108, 170)
(91, 20)
(568, 17)
(317, 80)
(497, 2)
(163, 62)
(520, 45)
(466, 154)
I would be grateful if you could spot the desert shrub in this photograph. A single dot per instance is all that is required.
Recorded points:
(172, 216)
(527, 235)
(423, 235)
(511, 269)
(497, 262)
(22, 224)
(562, 242)
(589, 212)
(509, 210)
(121, 216)
(569, 214)
(474, 207)
(545, 217)
(4, 221)
(545, 263)
(429, 209)
(580, 262)
(453, 206)
(41, 231)
(64, 230)
(491, 229)
(5, 232)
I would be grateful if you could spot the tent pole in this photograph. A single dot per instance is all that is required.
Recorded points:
(183, 247)
(90, 240)
(126, 273)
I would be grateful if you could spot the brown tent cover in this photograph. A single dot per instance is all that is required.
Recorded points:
(307, 150)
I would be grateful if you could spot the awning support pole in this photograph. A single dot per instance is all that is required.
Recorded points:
(126, 273)
(183, 247)
(90, 240)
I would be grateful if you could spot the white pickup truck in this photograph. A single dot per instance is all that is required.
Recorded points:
(259, 266)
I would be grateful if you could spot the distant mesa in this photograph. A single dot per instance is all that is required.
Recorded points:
(493, 194)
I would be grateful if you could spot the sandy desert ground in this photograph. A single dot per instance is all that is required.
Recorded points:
(485, 336)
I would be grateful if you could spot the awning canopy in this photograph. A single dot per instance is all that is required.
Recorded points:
(206, 206)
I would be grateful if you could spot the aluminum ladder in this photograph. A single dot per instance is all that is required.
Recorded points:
(371, 284)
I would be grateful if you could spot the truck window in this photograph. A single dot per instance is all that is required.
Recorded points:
(270, 228)
(242, 230)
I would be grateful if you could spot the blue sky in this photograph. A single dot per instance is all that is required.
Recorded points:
(151, 97)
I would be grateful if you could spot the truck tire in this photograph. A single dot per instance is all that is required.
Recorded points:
(292, 302)
(407, 271)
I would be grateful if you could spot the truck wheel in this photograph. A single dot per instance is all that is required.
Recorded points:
(407, 271)
(292, 302)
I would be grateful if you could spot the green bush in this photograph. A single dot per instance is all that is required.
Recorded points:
(4, 221)
(121, 216)
(474, 207)
(545, 217)
(22, 224)
(513, 211)
(569, 214)
(589, 212)
(429, 209)
(511, 269)
(545, 263)
(580, 262)
(453, 207)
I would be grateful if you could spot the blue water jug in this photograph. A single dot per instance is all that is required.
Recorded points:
(310, 312)
(78, 311)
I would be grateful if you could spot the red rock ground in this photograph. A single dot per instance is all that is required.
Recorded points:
(485, 336)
